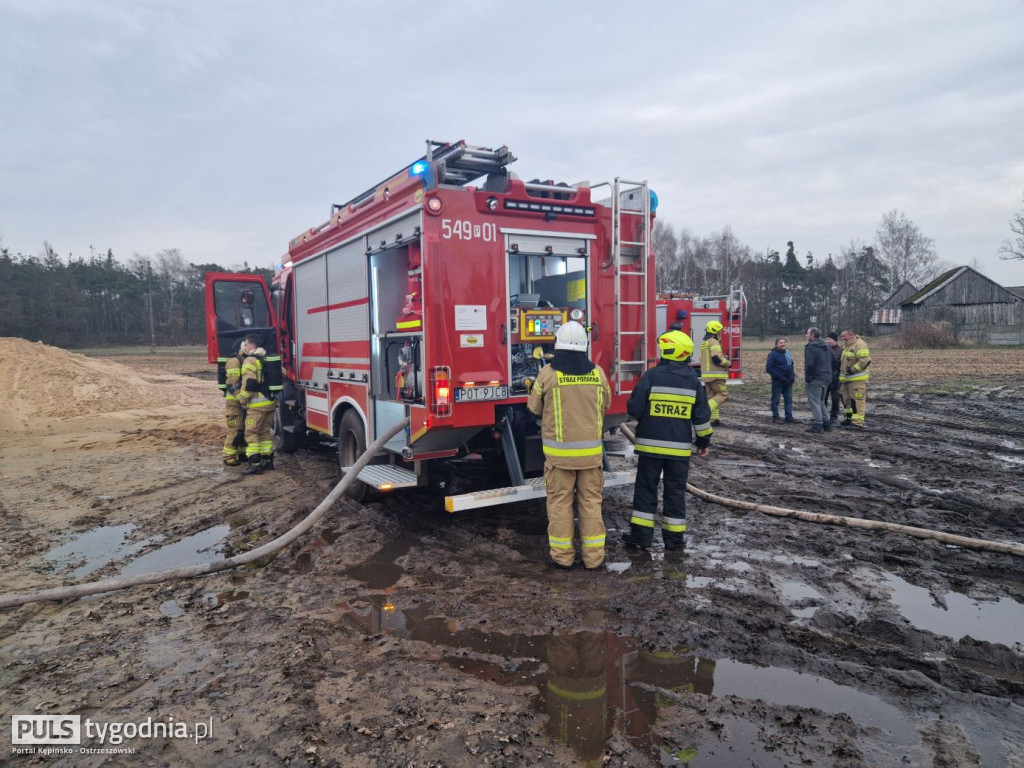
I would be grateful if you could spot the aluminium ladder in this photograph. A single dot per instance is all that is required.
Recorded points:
(630, 198)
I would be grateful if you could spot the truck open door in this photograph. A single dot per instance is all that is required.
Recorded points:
(237, 305)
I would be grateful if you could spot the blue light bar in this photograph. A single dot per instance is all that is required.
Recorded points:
(418, 168)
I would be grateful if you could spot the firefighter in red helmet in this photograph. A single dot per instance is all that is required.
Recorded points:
(570, 396)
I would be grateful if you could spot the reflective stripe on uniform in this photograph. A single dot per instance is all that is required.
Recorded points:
(662, 447)
(675, 391)
(579, 448)
(674, 524)
(704, 429)
(646, 519)
(593, 541)
(556, 542)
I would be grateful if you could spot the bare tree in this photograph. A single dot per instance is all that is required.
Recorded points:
(1014, 249)
(905, 251)
(666, 251)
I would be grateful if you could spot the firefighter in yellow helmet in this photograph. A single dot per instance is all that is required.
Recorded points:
(259, 418)
(714, 368)
(672, 418)
(234, 413)
(853, 378)
(571, 396)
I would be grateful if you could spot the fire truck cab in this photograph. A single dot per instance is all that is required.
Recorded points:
(429, 298)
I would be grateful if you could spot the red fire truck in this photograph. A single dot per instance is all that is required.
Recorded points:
(691, 313)
(432, 298)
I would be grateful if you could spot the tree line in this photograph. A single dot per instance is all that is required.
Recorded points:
(96, 300)
(787, 293)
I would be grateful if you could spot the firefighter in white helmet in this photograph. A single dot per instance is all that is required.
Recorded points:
(571, 396)
(714, 368)
(672, 418)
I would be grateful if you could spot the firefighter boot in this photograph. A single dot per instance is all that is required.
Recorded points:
(233, 461)
(267, 462)
(639, 537)
(255, 465)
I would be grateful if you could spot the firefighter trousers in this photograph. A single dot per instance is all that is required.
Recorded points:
(718, 393)
(586, 486)
(649, 470)
(855, 397)
(234, 444)
(259, 432)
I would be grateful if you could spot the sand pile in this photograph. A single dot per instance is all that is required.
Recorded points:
(42, 382)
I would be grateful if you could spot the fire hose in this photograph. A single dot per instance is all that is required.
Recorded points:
(191, 571)
(849, 522)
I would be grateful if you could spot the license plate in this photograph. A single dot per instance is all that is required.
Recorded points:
(471, 394)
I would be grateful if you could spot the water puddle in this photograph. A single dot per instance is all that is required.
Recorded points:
(192, 550)
(381, 572)
(171, 608)
(92, 550)
(994, 621)
(592, 684)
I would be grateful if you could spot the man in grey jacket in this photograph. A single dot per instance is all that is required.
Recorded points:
(818, 377)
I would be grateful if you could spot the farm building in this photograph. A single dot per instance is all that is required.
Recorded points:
(978, 307)
(886, 319)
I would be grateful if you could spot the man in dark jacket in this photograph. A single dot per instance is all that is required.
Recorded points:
(780, 368)
(672, 416)
(832, 395)
(818, 377)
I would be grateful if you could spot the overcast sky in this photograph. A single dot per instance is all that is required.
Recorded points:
(225, 128)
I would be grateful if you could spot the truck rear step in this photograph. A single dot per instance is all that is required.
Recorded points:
(385, 477)
(531, 489)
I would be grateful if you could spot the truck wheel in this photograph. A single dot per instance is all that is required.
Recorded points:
(352, 445)
(284, 442)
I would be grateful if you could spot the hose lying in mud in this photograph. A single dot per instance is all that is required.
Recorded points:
(850, 522)
(191, 571)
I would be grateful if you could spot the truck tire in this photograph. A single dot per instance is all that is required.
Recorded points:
(284, 442)
(352, 445)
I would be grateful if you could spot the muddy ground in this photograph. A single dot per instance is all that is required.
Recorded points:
(397, 635)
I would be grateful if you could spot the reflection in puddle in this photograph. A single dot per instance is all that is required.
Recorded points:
(592, 684)
(796, 591)
(382, 572)
(994, 621)
(94, 549)
(1009, 459)
(192, 550)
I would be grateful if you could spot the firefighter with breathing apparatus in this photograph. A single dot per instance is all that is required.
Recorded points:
(234, 412)
(254, 396)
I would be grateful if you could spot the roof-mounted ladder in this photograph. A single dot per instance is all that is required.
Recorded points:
(631, 198)
(456, 163)
(460, 163)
